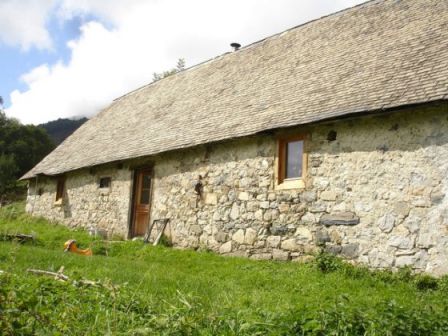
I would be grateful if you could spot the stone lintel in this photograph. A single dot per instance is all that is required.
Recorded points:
(340, 218)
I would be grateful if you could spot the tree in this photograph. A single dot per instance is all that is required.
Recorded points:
(8, 171)
(28, 144)
(179, 67)
(21, 148)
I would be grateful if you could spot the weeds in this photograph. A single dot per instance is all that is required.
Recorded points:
(390, 319)
(148, 290)
(426, 282)
(327, 262)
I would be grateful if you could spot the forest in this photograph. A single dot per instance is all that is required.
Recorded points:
(23, 146)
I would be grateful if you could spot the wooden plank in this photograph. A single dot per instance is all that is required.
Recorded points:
(148, 231)
(165, 223)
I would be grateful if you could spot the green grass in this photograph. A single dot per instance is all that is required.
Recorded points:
(147, 290)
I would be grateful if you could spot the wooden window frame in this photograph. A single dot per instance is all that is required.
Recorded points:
(282, 181)
(60, 189)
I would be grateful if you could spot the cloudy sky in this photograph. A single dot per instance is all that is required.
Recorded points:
(70, 58)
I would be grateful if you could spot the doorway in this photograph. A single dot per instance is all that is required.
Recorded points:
(141, 202)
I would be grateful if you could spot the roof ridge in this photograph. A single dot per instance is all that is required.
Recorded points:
(252, 44)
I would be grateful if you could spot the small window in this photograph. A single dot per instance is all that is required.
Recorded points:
(60, 188)
(105, 182)
(145, 189)
(291, 160)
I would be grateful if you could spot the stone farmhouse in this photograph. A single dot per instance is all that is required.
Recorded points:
(333, 134)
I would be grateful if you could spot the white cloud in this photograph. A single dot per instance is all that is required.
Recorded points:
(147, 37)
(23, 23)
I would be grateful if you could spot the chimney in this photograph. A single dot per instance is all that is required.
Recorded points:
(236, 46)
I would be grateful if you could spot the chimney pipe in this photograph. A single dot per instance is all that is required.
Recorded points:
(236, 46)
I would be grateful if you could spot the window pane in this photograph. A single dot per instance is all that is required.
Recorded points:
(146, 181)
(105, 182)
(294, 151)
(60, 188)
(144, 197)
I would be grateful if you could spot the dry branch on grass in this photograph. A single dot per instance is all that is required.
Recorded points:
(21, 237)
(59, 275)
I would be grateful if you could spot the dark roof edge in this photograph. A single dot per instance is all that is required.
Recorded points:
(364, 113)
(348, 115)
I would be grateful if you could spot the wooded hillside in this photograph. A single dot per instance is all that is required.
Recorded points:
(61, 128)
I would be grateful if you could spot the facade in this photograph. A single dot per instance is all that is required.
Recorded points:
(376, 193)
(274, 174)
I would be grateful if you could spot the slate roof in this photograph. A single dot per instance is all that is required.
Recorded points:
(375, 56)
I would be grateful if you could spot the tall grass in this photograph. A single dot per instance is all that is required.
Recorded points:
(145, 290)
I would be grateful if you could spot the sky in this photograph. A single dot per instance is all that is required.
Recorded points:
(71, 58)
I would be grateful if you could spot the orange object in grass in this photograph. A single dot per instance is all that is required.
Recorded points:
(70, 246)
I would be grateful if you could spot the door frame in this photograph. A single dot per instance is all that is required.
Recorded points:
(135, 174)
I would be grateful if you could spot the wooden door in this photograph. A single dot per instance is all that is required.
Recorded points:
(142, 200)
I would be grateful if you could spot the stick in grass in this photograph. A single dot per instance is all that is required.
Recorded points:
(60, 276)
(57, 276)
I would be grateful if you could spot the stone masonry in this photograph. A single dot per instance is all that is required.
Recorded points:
(375, 194)
(85, 204)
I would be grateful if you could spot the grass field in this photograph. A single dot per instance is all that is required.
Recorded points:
(145, 290)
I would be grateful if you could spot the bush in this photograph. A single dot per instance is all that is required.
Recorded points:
(327, 262)
(425, 282)
(389, 318)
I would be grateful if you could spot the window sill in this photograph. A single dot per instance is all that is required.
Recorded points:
(291, 184)
(104, 191)
(58, 203)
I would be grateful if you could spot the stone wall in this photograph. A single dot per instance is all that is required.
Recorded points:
(375, 194)
(85, 204)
